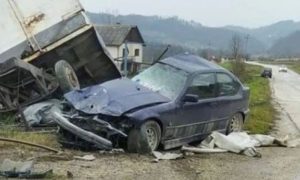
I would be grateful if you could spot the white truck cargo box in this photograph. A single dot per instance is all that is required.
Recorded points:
(43, 32)
(37, 22)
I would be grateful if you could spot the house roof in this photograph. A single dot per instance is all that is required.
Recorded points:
(115, 35)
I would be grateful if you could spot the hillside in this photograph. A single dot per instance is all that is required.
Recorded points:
(287, 47)
(271, 33)
(179, 32)
(278, 39)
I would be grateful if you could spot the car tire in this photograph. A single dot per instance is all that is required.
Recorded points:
(145, 139)
(66, 76)
(235, 123)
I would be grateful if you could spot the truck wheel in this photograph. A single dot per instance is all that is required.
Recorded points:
(66, 76)
(144, 140)
(235, 124)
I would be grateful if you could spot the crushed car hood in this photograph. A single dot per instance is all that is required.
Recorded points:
(113, 98)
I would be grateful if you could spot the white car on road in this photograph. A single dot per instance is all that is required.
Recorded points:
(283, 69)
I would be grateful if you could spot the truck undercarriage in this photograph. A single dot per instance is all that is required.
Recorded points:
(22, 84)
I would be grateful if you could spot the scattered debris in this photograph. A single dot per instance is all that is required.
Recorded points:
(290, 142)
(29, 144)
(113, 151)
(167, 156)
(187, 153)
(240, 143)
(202, 150)
(85, 166)
(39, 114)
(17, 169)
(85, 157)
(53, 157)
(70, 175)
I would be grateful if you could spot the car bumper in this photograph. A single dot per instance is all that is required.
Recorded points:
(88, 136)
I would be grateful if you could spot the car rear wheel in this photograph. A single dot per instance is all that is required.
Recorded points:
(236, 123)
(145, 139)
(66, 76)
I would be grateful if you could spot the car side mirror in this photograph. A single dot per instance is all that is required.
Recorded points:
(193, 98)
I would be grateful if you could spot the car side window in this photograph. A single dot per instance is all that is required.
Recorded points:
(227, 86)
(203, 85)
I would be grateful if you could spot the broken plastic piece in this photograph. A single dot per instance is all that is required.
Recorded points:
(85, 157)
(166, 156)
(100, 142)
(18, 169)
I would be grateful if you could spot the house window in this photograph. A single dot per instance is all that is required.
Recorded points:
(137, 52)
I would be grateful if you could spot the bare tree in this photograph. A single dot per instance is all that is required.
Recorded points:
(205, 54)
(236, 47)
(238, 65)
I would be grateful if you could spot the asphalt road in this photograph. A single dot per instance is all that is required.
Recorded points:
(286, 94)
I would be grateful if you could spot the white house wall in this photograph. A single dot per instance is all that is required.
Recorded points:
(131, 48)
(114, 51)
(117, 53)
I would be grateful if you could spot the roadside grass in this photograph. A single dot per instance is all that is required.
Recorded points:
(262, 112)
(9, 129)
(293, 65)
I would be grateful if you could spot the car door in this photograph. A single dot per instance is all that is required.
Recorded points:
(227, 92)
(194, 117)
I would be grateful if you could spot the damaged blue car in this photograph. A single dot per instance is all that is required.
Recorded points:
(178, 100)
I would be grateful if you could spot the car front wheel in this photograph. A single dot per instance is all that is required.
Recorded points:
(145, 139)
(66, 76)
(236, 123)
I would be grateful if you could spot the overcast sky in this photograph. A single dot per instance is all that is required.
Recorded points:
(247, 13)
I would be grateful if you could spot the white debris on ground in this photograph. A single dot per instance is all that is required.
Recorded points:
(85, 158)
(240, 143)
(166, 156)
(113, 151)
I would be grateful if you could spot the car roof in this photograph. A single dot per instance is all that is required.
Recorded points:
(191, 63)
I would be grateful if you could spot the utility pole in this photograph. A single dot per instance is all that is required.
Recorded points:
(209, 51)
(246, 45)
(125, 58)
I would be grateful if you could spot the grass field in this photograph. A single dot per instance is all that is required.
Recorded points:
(10, 129)
(295, 67)
(262, 112)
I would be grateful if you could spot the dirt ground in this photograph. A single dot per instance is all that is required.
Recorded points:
(275, 163)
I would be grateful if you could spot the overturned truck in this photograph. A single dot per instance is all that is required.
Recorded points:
(45, 45)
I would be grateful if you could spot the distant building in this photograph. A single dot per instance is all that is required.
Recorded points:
(115, 36)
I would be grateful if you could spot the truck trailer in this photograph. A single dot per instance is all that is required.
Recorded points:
(48, 45)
